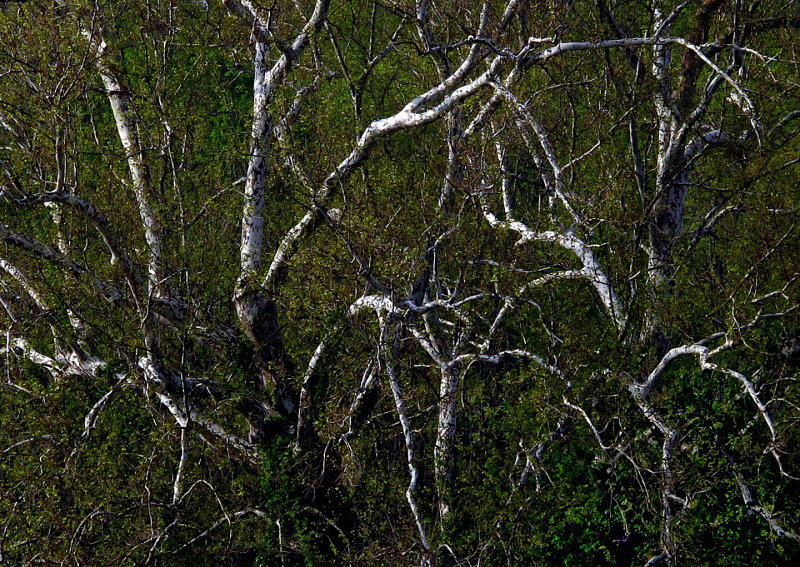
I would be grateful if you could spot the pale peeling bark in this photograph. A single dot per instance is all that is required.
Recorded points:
(642, 392)
(128, 129)
(450, 375)
(383, 307)
(34, 246)
(410, 116)
(20, 346)
(127, 123)
(408, 436)
(260, 138)
(257, 313)
(439, 100)
(368, 385)
(444, 448)
(703, 352)
(554, 183)
(592, 269)
(668, 497)
(451, 364)
(61, 365)
(675, 155)
(266, 80)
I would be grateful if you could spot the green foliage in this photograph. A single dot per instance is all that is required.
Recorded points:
(534, 481)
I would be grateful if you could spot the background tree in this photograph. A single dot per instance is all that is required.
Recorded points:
(432, 282)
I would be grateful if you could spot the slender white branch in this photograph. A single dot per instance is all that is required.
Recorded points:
(60, 365)
(265, 81)
(589, 422)
(592, 269)
(15, 273)
(305, 390)
(514, 353)
(224, 520)
(524, 118)
(754, 506)
(89, 422)
(182, 418)
(408, 436)
(127, 127)
(176, 485)
(24, 442)
(407, 118)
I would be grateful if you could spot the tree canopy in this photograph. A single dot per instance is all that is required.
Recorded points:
(390, 282)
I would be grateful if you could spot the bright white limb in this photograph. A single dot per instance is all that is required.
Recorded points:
(443, 449)
(176, 485)
(127, 128)
(20, 347)
(589, 422)
(60, 365)
(15, 273)
(408, 436)
(225, 519)
(89, 422)
(667, 476)
(524, 118)
(514, 353)
(751, 503)
(369, 381)
(592, 269)
(260, 135)
(182, 418)
(405, 119)
(305, 390)
(412, 116)
(703, 353)
(380, 304)
(265, 81)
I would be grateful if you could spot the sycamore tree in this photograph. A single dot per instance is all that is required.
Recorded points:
(454, 283)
